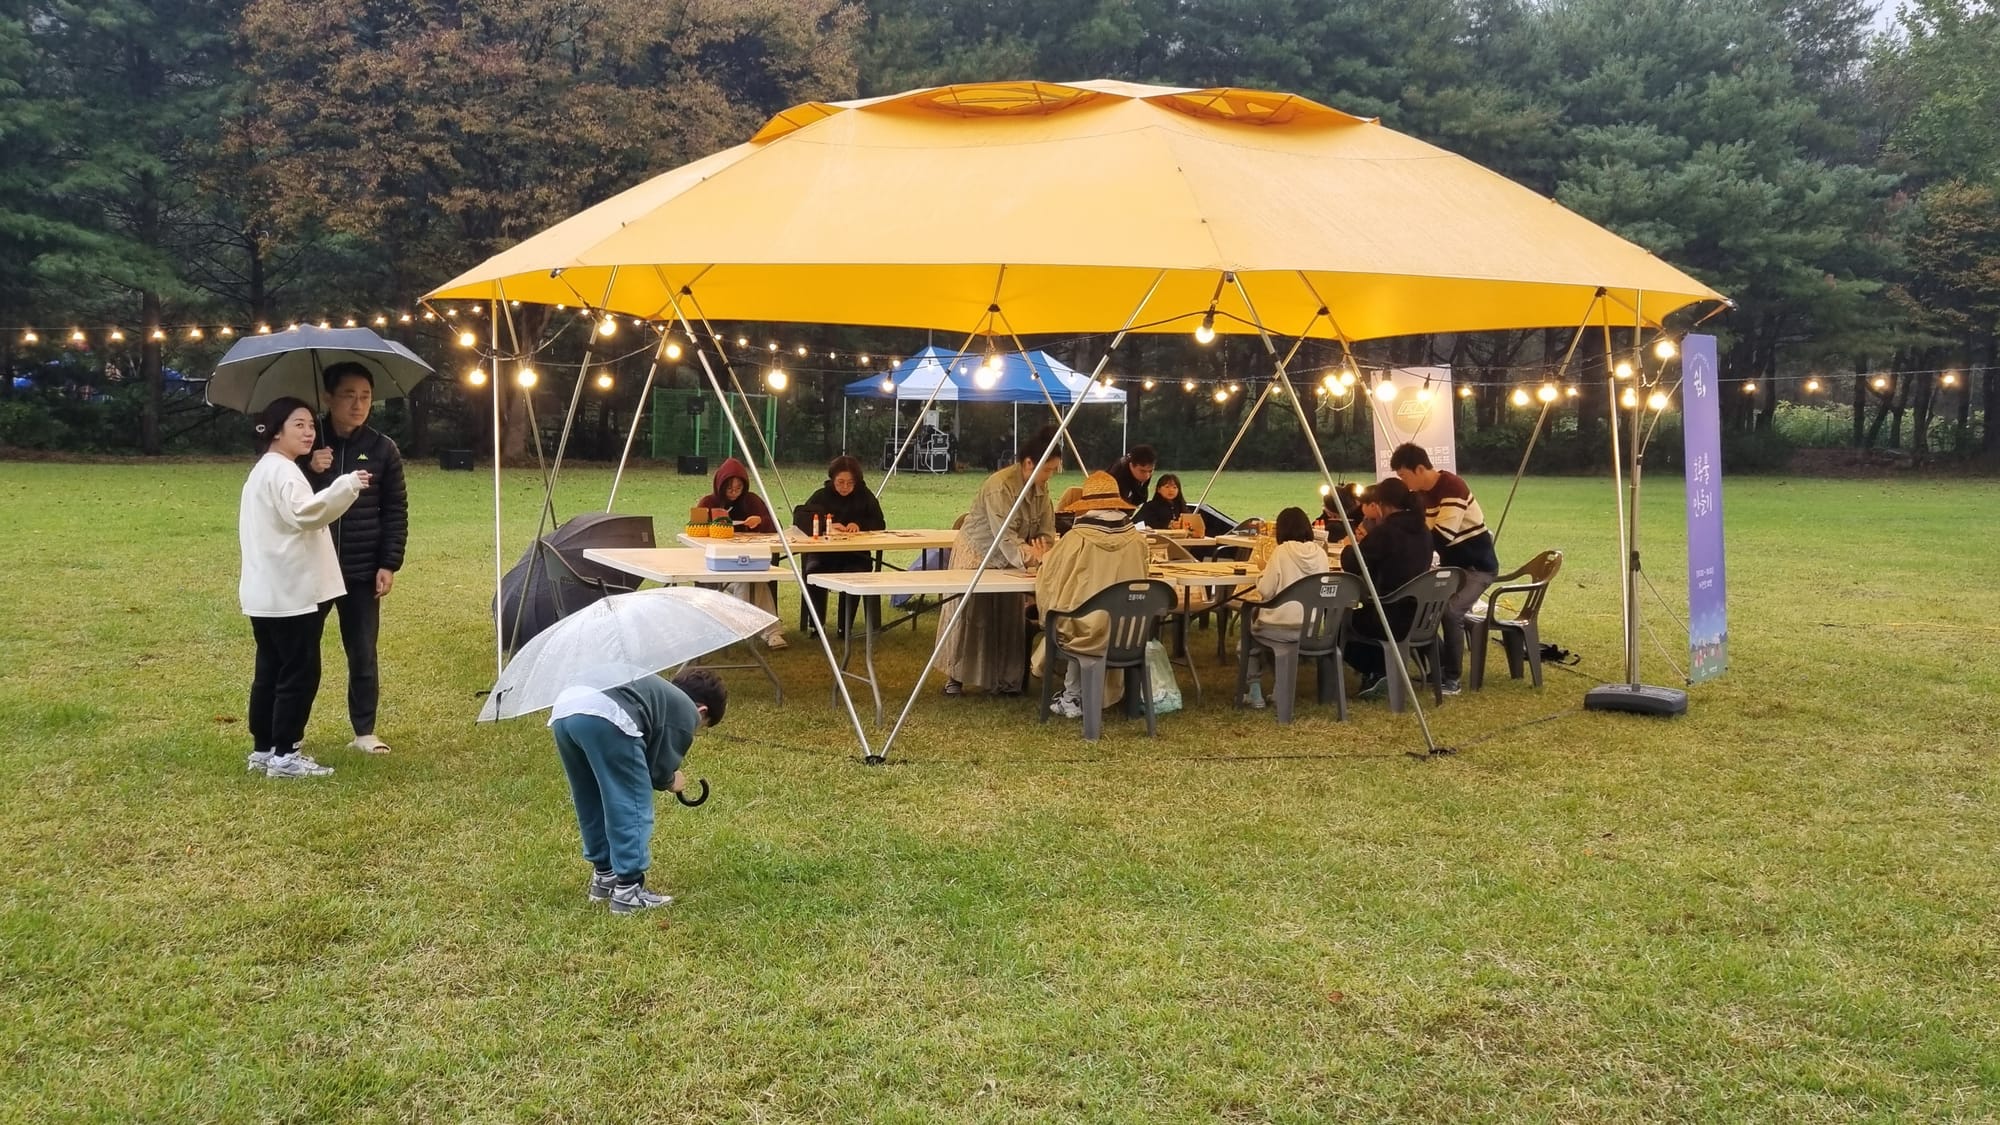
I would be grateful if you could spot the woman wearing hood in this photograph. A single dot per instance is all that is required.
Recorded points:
(1396, 544)
(1104, 547)
(844, 500)
(748, 512)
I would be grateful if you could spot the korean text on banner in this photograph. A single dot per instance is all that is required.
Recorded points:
(1701, 418)
(1423, 412)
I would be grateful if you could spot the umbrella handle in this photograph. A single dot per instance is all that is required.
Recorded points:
(683, 797)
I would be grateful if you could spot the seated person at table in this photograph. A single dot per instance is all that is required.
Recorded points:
(1103, 547)
(749, 513)
(845, 502)
(1395, 542)
(1132, 471)
(984, 650)
(1296, 556)
(1329, 511)
(1169, 509)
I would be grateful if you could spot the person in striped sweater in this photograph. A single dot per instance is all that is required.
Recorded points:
(1459, 528)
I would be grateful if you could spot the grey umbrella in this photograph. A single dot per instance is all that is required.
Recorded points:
(262, 369)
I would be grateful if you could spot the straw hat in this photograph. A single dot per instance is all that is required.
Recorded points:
(1100, 491)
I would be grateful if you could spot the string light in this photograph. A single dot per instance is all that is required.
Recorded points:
(117, 336)
(774, 346)
(1812, 386)
(1750, 388)
(776, 379)
(1520, 397)
(158, 334)
(1319, 390)
(227, 331)
(1348, 375)
(1204, 333)
(1623, 370)
(325, 324)
(1629, 399)
(405, 318)
(1665, 349)
(1187, 385)
(350, 322)
(381, 321)
(864, 361)
(527, 377)
(1880, 383)
(1950, 379)
(76, 336)
(673, 351)
(1386, 391)
(476, 376)
(888, 385)
(1340, 388)
(265, 329)
(29, 337)
(1465, 392)
(1657, 400)
(194, 333)
(802, 351)
(1571, 392)
(1424, 393)
(604, 380)
(1547, 393)
(467, 339)
(608, 327)
(742, 341)
(1277, 390)
(454, 311)
(1235, 387)
(1325, 490)
(1146, 383)
(1221, 394)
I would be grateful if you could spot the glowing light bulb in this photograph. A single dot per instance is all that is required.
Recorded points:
(1629, 399)
(1812, 386)
(349, 323)
(888, 385)
(29, 337)
(158, 334)
(1520, 397)
(1950, 379)
(1328, 383)
(1880, 383)
(1221, 394)
(228, 331)
(604, 380)
(1340, 390)
(776, 379)
(1348, 376)
(527, 377)
(476, 376)
(1622, 370)
(864, 361)
(984, 377)
(742, 341)
(1571, 392)
(1386, 391)
(1465, 392)
(467, 339)
(326, 324)
(1665, 348)
(381, 321)
(1657, 400)
(1204, 333)
(76, 336)
(802, 351)
(607, 327)
(1750, 388)
(117, 337)
(1235, 387)
(673, 351)
(405, 318)
(774, 347)
(1424, 393)
(1325, 490)
(453, 311)
(194, 333)
(1187, 385)
(1319, 390)
(1146, 383)
(1277, 390)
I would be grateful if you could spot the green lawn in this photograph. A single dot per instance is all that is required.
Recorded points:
(1780, 907)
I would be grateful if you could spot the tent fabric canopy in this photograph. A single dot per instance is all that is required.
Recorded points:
(913, 210)
(939, 375)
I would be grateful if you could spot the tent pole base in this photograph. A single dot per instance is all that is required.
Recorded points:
(1637, 699)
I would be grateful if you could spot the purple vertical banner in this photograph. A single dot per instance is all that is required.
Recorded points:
(1701, 427)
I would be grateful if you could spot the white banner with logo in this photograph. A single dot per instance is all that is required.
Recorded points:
(1422, 411)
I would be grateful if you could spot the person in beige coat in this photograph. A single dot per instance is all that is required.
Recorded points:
(1104, 547)
(984, 651)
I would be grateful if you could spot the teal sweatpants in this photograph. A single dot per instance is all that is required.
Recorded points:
(612, 790)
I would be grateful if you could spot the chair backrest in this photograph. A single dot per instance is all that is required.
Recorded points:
(1168, 550)
(1540, 573)
(1327, 599)
(1136, 609)
(1543, 567)
(1430, 593)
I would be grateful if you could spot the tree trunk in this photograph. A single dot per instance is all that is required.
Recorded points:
(151, 371)
(1989, 440)
(1922, 390)
(1860, 401)
(1767, 418)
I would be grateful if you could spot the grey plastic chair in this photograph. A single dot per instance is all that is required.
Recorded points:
(1328, 600)
(1519, 630)
(1136, 609)
(1430, 592)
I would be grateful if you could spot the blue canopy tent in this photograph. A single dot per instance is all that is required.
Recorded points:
(937, 375)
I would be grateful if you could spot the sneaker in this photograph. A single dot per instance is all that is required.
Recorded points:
(258, 761)
(296, 765)
(629, 897)
(953, 687)
(776, 640)
(1452, 687)
(368, 744)
(1066, 707)
(602, 884)
(1254, 698)
(1372, 687)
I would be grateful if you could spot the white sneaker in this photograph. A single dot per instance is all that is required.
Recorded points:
(1066, 706)
(627, 899)
(296, 765)
(368, 744)
(258, 760)
(776, 640)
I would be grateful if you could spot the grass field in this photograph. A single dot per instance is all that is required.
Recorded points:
(1780, 907)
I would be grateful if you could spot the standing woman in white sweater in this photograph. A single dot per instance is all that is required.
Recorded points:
(290, 575)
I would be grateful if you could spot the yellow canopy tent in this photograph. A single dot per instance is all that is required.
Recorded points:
(1035, 207)
(903, 210)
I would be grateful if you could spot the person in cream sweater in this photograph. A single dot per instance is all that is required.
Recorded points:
(290, 575)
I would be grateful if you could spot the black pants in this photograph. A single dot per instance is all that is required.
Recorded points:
(836, 562)
(360, 623)
(286, 679)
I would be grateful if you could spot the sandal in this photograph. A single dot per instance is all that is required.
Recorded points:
(368, 744)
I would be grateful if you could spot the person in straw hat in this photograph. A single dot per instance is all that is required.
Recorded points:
(1103, 547)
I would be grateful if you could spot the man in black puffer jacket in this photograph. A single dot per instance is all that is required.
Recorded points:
(369, 539)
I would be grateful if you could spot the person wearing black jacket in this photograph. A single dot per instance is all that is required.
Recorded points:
(845, 502)
(1395, 542)
(1132, 471)
(369, 539)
